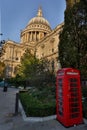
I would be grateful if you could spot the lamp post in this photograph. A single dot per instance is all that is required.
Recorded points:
(2, 42)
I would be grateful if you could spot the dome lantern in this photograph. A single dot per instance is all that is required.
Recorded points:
(39, 21)
(39, 14)
(37, 28)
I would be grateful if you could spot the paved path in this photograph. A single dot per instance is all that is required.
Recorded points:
(10, 122)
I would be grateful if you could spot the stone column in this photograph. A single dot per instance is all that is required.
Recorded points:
(31, 36)
(35, 36)
(27, 37)
(24, 37)
(39, 36)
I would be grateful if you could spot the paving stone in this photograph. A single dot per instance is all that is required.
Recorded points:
(10, 121)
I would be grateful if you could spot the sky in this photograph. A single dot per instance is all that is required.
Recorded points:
(15, 15)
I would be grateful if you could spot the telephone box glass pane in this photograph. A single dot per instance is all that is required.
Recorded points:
(60, 96)
(73, 82)
(74, 115)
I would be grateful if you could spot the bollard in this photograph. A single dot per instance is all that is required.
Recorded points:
(16, 103)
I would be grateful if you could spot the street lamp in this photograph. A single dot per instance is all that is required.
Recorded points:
(2, 42)
(1, 34)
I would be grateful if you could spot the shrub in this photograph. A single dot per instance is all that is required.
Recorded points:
(84, 91)
(85, 109)
(37, 108)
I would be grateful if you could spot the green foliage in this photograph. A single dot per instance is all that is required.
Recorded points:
(2, 70)
(28, 65)
(73, 38)
(34, 71)
(17, 81)
(85, 109)
(44, 94)
(84, 91)
(84, 94)
(35, 107)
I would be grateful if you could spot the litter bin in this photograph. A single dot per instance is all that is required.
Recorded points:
(5, 89)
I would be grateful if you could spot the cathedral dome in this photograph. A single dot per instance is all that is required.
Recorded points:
(39, 22)
(36, 29)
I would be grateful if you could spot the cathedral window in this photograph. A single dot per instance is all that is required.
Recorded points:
(37, 37)
(52, 49)
(42, 46)
(52, 40)
(56, 58)
(17, 58)
(44, 34)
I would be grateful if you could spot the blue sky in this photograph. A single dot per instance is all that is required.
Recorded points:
(15, 15)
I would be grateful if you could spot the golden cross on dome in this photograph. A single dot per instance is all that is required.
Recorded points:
(40, 14)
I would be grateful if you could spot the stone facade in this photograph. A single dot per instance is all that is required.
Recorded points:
(39, 38)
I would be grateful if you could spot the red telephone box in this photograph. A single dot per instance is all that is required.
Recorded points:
(68, 97)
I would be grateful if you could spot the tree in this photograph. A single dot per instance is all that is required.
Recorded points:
(73, 38)
(2, 69)
(34, 70)
(2, 42)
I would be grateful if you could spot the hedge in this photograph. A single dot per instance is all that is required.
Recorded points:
(36, 108)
